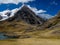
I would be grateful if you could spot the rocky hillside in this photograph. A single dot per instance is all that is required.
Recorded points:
(24, 20)
(51, 28)
(25, 23)
(53, 22)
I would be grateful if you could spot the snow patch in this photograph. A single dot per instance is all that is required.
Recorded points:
(11, 13)
(5, 13)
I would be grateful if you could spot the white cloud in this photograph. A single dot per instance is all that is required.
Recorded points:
(36, 10)
(45, 16)
(15, 1)
(40, 12)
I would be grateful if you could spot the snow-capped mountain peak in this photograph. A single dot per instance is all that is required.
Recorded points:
(7, 14)
(10, 13)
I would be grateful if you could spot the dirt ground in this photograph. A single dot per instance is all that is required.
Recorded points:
(31, 41)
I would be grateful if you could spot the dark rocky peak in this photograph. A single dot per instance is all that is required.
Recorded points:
(27, 15)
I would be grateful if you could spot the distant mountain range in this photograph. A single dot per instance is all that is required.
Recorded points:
(25, 14)
(25, 20)
(9, 13)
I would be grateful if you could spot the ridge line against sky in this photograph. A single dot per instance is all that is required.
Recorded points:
(50, 7)
(12, 12)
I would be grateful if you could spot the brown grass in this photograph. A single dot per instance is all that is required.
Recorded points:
(31, 41)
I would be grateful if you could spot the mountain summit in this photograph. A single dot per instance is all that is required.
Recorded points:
(24, 20)
(27, 15)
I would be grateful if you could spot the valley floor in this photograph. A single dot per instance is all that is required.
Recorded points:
(31, 41)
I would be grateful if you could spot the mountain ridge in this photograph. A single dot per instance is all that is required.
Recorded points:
(10, 13)
(26, 22)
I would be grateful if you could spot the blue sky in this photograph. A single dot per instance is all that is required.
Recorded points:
(50, 6)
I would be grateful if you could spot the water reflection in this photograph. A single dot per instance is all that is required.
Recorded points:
(2, 36)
